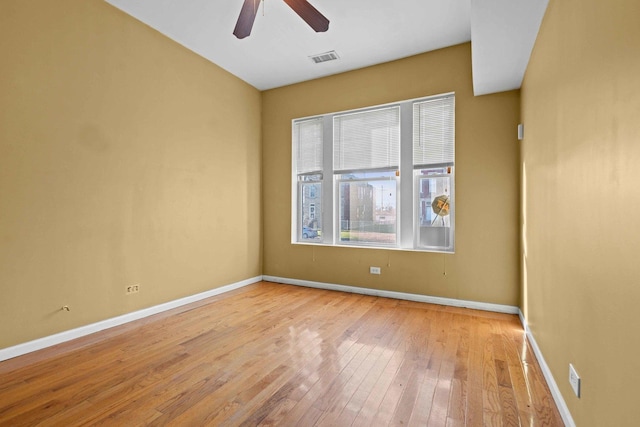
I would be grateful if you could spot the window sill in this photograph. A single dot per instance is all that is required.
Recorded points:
(384, 248)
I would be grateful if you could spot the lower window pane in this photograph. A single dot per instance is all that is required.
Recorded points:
(434, 211)
(368, 212)
(311, 211)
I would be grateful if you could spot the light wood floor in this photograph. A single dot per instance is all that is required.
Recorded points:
(271, 354)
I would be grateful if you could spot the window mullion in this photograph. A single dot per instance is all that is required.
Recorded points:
(406, 176)
(327, 180)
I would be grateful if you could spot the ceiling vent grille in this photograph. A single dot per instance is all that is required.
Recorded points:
(324, 57)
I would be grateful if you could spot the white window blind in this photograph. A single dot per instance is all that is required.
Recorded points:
(434, 132)
(367, 140)
(307, 137)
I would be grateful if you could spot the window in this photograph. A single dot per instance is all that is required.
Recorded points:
(308, 147)
(366, 150)
(383, 175)
(433, 158)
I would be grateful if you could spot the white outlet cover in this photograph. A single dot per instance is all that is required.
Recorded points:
(574, 380)
(374, 270)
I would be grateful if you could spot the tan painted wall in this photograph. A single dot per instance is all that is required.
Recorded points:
(124, 158)
(485, 266)
(581, 203)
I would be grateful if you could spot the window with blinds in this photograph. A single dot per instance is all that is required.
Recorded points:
(377, 177)
(308, 147)
(433, 162)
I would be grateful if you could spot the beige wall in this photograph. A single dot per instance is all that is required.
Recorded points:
(581, 203)
(124, 158)
(485, 266)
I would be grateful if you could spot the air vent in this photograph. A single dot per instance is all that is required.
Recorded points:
(324, 57)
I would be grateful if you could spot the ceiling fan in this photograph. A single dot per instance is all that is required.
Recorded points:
(303, 8)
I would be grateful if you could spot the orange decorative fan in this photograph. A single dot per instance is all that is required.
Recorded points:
(440, 206)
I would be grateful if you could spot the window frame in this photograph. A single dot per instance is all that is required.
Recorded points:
(407, 194)
(417, 202)
(313, 179)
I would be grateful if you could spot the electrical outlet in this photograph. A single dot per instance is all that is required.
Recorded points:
(574, 380)
(374, 270)
(133, 289)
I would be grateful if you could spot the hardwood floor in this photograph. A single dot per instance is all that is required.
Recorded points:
(271, 354)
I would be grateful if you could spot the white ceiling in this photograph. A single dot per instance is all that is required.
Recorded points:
(362, 32)
(503, 33)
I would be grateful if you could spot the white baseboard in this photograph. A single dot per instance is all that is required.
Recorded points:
(41, 343)
(551, 382)
(485, 306)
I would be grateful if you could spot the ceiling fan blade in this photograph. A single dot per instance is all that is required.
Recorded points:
(309, 14)
(246, 18)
